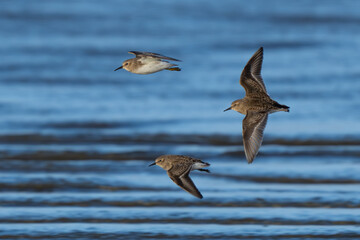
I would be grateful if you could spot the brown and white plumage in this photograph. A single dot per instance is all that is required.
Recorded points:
(148, 62)
(178, 168)
(256, 105)
(251, 78)
(139, 54)
(254, 125)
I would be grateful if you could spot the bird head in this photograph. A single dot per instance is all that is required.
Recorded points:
(161, 162)
(125, 65)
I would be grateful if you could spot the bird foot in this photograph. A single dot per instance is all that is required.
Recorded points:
(204, 170)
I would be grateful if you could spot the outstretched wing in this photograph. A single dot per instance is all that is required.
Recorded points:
(250, 77)
(253, 129)
(153, 55)
(184, 181)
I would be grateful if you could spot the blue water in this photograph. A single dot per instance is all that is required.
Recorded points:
(76, 137)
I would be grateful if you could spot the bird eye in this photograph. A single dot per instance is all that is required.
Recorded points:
(126, 64)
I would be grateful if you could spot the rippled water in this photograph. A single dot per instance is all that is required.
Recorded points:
(76, 137)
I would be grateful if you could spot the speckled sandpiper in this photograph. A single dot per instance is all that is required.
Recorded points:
(148, 62)
(178, 168)
(256, 105)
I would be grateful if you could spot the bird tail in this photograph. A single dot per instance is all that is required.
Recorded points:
(281, 107)
(284, 108)
(174, 69)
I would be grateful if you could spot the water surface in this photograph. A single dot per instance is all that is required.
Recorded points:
(76, 137)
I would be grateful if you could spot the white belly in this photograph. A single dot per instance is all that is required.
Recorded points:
(153, 67)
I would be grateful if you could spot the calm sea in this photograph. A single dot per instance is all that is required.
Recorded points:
(76, 137)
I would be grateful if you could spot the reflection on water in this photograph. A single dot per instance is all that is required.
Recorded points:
(76, 137)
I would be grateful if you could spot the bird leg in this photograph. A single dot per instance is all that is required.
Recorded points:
(174, 69)
(204, 170)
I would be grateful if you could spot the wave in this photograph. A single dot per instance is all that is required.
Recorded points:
(215, 139)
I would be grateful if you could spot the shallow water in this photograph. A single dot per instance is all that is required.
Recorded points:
(76, 137)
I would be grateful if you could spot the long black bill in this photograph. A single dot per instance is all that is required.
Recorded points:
(152, 164)
(227, 109)
(118, 68)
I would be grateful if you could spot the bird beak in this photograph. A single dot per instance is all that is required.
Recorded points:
(152, 164)
(118, 68)
(227, 109)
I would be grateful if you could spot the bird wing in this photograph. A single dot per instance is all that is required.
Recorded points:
(254, 124)
(250, 77)
(184, 181)
(152, 55)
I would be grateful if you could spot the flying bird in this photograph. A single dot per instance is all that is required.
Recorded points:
(148, 62)
(256, 105)
(178, 168)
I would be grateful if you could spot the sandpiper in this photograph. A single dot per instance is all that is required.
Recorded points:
(148, 62)
(178, 168)
(256, 105)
